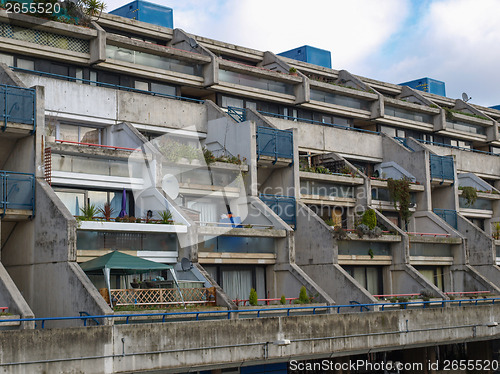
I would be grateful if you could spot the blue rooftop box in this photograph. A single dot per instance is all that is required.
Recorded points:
(427, 85)
(311, 55)
(145, 11)
(497, 107)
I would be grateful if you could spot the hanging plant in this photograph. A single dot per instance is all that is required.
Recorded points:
(399, 191)
(470, 196)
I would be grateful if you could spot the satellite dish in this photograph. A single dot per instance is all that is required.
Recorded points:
(170, 186)
(465, 97)
(186, 264)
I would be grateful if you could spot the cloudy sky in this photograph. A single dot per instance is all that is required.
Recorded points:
(455, 41)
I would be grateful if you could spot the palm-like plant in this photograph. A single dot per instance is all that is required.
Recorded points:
(89, 212)
(165, 217)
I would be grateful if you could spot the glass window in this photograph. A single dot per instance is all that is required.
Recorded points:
(93, 77)
(389, 131)
(90, 135)
(140, 85)
(231, 101)
(407, 114)
(163, 89)
(7, 59)
(79, 75)
(68, 132)
(25, 64)
(74, 201)
(336, 99)
(251, 105)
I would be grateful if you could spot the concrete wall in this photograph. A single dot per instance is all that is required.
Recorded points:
(326, 138)
(317, 254)
(12, 298)
(40, 257)
(65, 99)
(200, 345)
(470, 162)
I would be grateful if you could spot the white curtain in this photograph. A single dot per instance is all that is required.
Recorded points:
(237, 284)
(372, 281)
(208, 211)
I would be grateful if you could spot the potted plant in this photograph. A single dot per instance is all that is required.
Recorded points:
(166, 217)
(107, 211)
(293, 71)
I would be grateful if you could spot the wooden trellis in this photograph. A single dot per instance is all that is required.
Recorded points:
(162, 296)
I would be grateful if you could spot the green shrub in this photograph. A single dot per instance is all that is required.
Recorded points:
(283, 300)
(369, 219)
(252, 298)
(303, 298)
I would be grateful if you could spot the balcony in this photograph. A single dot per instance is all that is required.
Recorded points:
(274, 146)
(18, 106)
(17, 195)
(283, 206)
(324, 192)
(442, 169)
(447, 215)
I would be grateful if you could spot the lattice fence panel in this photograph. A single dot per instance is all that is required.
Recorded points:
(44, 38)
(163, 296)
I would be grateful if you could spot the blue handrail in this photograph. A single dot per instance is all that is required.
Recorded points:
(17, 191)
(18, 104)
(109, 85)
(404, 142)
(196, 314)
(238, 114)
(291, 118)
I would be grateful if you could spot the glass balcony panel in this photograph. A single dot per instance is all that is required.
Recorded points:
(100, 240)
(431, 250)
(255, 82)
(407, 114)
(316, 188)
(341, 100)
(236, 244)
(483, 204)
(359, 248)
(466, 127)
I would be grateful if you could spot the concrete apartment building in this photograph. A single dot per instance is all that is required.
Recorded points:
(118, 113)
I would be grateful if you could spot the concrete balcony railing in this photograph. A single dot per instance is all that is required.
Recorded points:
(17, 105)
(17, 194)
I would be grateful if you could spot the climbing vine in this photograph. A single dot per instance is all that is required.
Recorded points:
(399, 191)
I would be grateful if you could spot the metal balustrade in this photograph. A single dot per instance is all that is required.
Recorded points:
(274, 143)
(17, 191)
(284, 206)
(442, 167)
(238, 114)
(17, 104)
(263, 312)
(447, 215)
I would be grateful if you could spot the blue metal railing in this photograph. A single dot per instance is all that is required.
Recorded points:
(368, 308)
(17, 191)
(404, 142)
(238, 114)
(274, 143)
(17, 104)
(291, 118)
(442, 167)
(448, 215)
(459, 148)
(284, 206)
(108, 85)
